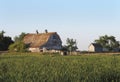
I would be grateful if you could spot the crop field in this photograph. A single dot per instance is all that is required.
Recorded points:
(35, 67)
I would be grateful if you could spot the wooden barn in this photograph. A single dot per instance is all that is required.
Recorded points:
(94, 47)
(42, 42)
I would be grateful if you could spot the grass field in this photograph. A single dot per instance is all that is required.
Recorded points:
(34, 67)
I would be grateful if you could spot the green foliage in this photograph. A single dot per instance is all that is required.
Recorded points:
(108, 42)
(71, 45)
(2, 34)
(20, 37)
(5, 41)
(18, 47)
(45, 68)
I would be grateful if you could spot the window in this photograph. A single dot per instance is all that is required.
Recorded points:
(54, 37)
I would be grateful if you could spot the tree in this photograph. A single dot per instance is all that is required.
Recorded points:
(2, 34)
(108, 42)
(71, 44)
(20, 37)
(5, 41)
(19, 45)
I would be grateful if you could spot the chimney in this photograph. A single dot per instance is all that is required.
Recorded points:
(46, 31)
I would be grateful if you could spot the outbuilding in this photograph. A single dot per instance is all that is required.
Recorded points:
(94, 47)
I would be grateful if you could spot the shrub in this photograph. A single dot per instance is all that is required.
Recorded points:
(18, 47)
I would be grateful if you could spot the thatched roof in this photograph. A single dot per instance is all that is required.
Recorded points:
(37, 40)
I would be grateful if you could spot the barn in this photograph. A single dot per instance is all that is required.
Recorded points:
(42, 42)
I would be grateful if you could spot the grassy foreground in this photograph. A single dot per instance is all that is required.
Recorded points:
(29, 67)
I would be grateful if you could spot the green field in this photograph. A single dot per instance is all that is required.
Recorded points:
(35, 67)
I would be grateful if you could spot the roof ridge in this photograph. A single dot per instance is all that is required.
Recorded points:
(42, 33)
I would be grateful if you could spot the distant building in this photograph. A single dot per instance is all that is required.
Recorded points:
(42, 42)
(94, 47)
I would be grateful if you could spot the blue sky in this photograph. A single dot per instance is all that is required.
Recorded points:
(83, 20)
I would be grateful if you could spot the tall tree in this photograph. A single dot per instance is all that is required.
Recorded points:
(71, 44)
(5, 41)
(2, 34)
(108, 42)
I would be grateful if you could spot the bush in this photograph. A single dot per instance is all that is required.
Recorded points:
(18, 47)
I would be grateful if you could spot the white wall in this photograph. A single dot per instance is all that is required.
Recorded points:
(34, 49)
(91, 48)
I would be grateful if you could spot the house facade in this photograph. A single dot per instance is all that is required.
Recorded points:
(94, 47)
(43, 42)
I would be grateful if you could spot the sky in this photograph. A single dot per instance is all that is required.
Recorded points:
(83, 20)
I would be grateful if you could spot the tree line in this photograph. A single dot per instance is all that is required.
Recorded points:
(108, 42)
(6, 43)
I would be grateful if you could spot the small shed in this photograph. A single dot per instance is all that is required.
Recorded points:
(95, 47)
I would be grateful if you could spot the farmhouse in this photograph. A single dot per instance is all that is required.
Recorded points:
(94, 47)
(42, 42)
